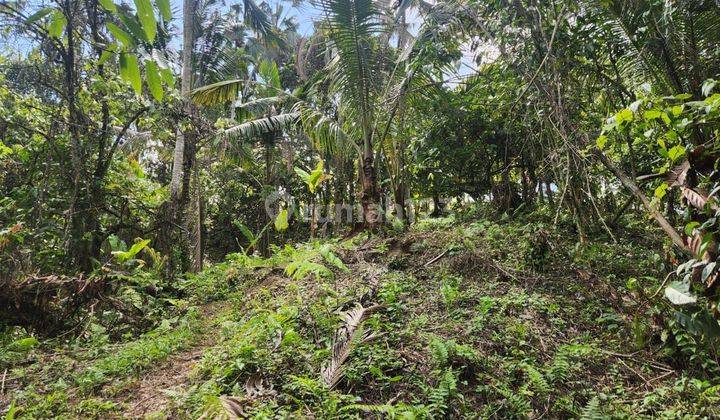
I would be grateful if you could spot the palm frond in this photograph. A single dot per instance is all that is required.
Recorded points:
(256, 19)
(255, 128)
(326, 133)
(346, 337)
(217, 93)
(352, 24)
(260, 105)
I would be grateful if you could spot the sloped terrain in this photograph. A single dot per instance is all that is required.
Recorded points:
(489, 319)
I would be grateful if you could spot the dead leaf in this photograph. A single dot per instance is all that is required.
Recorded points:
(697, 199)
(676, 176)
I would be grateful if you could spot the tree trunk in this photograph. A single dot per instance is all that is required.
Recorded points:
(184, 217)
(633, 188)
(198, 218)
(171, 215)
(265, 240)
(185, 87)
(369, 198)
(549, 193)
(437, 206)
(401, 209)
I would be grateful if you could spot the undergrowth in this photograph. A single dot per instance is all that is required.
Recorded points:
(475, 318)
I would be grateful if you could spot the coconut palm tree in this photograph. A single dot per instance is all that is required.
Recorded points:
(364, 81)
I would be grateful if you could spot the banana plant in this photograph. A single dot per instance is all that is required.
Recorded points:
(313, 180)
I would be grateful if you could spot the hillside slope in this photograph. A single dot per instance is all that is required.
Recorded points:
(490, 319)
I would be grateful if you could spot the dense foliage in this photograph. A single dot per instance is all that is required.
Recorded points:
(154, 158)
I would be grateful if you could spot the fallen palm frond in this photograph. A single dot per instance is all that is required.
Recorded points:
(345, 338)
(233, 407)
(255, 388)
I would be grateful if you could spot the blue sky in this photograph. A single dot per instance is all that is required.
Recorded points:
(305, 14)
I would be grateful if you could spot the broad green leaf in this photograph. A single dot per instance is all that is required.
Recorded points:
(165, 11)
(679, 293)
(132, 25)
(58, 21)
(130, 72)
(665, 118)
(167, 77)
(601, 142)
(123, 256)
(661, 190)
(39, 15)
(5, 151)
(690, 227)
(268, 70)
(137, 247)
(331, 258)
(247, 233)
(652, 114)
(146, 15)
(24, 344)
(104, 57)
(302, 174)
(624, 115)
(676, 152)
(706, 241)
(108, 5)
(116, 244)
(152, 74)
(281, 221)
(314, 179)
(122, 36)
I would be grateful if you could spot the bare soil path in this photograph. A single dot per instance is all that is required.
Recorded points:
(152, 392)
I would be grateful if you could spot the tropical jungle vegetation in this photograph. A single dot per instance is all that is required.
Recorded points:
(359, 209)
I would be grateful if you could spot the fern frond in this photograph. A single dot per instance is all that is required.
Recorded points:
(439, 396)
(536, 379)
(592, 410)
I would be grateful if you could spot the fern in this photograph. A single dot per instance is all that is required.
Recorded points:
(536, 380)
(307, 260)
(517, 402)
(592, 410)
(446, 352)
(440, 395)
(439, 351)
(559, 371)
(562, 365)
(300, 269)
(331, 258)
